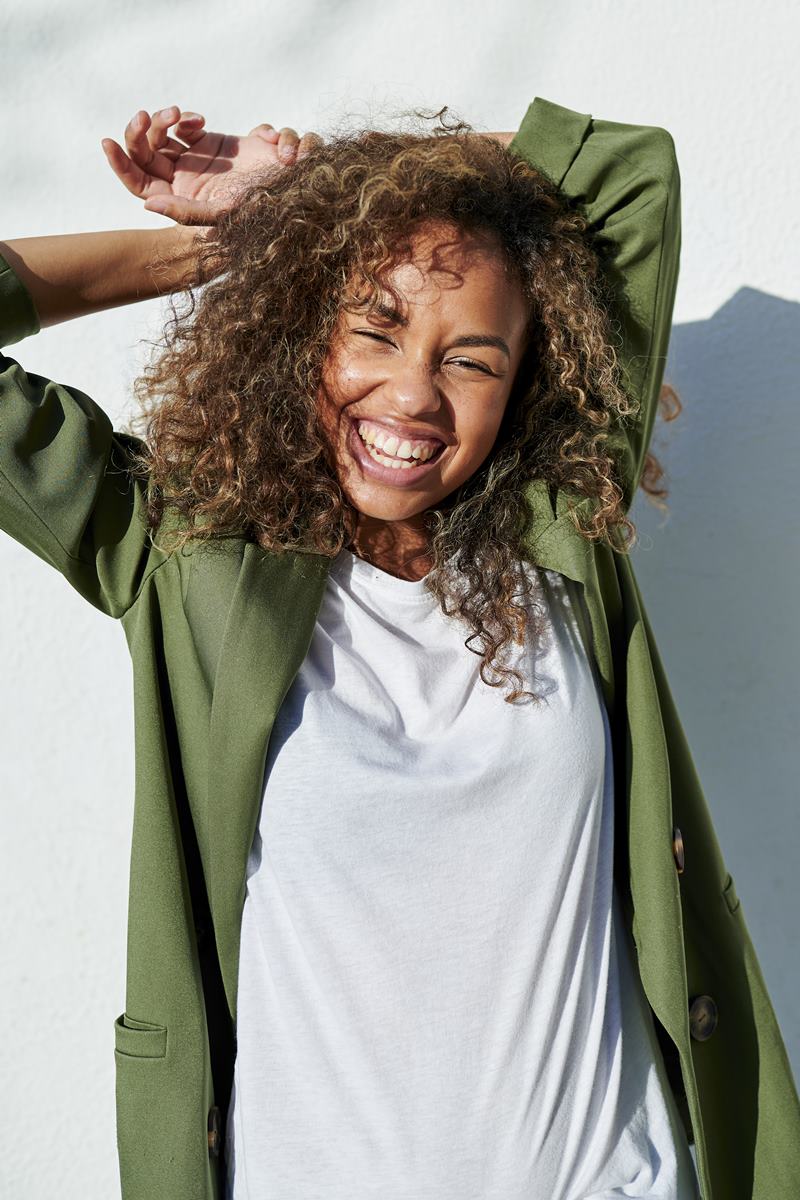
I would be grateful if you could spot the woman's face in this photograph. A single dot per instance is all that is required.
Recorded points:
(412, 401)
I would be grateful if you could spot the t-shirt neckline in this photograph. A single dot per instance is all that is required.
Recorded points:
(349, 569)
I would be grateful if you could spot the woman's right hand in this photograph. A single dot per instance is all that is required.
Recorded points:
(191, 175)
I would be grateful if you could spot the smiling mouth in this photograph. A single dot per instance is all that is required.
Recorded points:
(391, 450)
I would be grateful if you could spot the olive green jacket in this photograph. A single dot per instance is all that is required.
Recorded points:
(216, 635)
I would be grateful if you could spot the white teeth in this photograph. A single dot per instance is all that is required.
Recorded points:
(403, 455)
(397, 464)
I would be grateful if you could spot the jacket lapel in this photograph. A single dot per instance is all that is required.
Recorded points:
(267, 634)
(554, 543)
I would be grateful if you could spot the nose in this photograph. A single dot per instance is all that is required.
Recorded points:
(411, 390)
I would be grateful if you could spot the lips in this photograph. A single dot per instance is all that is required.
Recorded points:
(388, 438)
(394, 476)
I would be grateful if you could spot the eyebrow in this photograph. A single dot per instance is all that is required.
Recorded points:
(467, 339)
(483, 339)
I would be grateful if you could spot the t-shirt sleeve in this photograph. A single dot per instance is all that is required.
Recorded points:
(626, 181)
(66, 492)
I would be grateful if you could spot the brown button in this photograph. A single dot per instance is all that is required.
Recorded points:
(677, 849)
(702, 1018)
(214, 1132)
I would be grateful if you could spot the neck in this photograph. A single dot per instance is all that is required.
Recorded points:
(399, 547)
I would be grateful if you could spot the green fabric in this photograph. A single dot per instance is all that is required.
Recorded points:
(19, 316)
(216, 635)
(626, 179)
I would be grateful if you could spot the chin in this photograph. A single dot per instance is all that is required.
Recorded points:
(388, 508)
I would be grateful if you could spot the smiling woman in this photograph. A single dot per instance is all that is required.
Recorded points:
(353, 288)
(409, 397)
(387, 935)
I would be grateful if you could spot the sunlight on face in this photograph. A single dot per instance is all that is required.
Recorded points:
(426, 386)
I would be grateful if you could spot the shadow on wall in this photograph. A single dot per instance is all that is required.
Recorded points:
(720, 575)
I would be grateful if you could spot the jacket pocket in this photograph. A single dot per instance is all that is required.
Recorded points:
(729, 894)
(139, 1039)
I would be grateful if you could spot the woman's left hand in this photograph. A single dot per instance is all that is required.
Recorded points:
(191, 175)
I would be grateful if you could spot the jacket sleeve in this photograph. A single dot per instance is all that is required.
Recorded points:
(625, 180)
(65, 491)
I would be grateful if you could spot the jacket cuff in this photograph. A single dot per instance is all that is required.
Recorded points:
(551, 136)
(18, 316)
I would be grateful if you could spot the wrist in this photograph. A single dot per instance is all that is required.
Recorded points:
(175, 258)
(503, 138)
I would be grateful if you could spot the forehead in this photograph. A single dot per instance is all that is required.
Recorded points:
(446, 267)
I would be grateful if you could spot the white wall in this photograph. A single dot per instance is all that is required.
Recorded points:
(717, 576)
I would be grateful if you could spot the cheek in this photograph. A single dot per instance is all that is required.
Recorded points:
(476, 433)
(337, 389)
(344, 383)
(346, 379)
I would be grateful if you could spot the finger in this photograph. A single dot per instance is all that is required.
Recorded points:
(288, 141)
(266, 131)
(127, 171)
(190, 128)
(182, 210)
(140, 151)
(158, 133)
(308, 142)
(135, 136)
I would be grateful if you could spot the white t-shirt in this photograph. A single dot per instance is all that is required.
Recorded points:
(437, 997)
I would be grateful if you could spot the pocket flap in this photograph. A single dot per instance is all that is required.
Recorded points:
(139, 1039)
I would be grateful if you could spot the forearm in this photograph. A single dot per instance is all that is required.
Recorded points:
(502, 138)
(72, 275)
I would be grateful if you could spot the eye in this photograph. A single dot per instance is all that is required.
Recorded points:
(467, 362)
(458, 362)
(370, 333)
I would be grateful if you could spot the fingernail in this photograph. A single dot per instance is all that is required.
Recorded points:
(165, 112)
(156, 204)
(286, 151)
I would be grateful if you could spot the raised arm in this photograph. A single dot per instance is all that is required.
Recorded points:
(66, 488)
(66, 492)
(74, 274)
(625, 179)
(175, 166)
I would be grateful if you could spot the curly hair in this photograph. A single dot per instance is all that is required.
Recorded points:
(232, 440)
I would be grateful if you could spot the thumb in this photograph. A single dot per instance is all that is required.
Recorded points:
(182, 210)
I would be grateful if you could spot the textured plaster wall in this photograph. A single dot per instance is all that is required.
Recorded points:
(719, 575)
